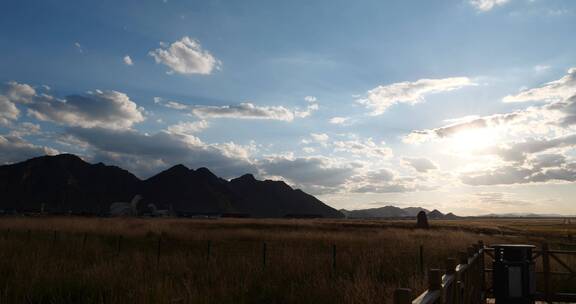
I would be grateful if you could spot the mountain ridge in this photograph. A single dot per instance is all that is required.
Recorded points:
(396, 212)
(65, 183)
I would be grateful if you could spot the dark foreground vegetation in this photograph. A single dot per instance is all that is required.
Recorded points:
(131, 260)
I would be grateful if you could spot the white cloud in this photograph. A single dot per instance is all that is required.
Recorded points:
(78, 47)
(382, 181)
(14, 149)
(19, 92)
(312, 107)
(188, 127)
(8, 111)
(24, 129)
(320, 137)
(364, 148)
(541, 67)
(128, 60)
(381, 98)
(465, 124)
(186, 56)
(421, 165)
(339, 120)
(170, 104)
(311, 98)
(244, 110)
(487, 5)
(145, 154)
(562, 88)
(308, 172)
(106, 109)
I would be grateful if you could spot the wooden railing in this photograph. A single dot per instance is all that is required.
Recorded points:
(546, 258)
(465, 283)
(462, 283)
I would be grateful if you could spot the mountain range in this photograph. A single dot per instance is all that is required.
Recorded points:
(396, 212)
(67, 184)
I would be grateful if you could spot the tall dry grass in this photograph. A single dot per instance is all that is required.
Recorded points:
(103, 260)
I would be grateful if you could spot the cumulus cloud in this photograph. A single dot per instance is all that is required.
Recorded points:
(186, 56)
(541, 67)
(311, 108)
(487, 5)
(339, 120)
(381, 98)
(25, 129)
(508, 175)
(499, 198)
(382, 181)
(519, 151)
(14, 149)
(311, 99)
(307, 171)
(18, 92)
(107, 109)
(468, 123)
(170, 103)
(364, 148)
(421, 165)
(320, 137)
(188, 127)
(8, 111)
(562, 88)
(128, 60)
(145, 154)
(78, 47)
(244, 110)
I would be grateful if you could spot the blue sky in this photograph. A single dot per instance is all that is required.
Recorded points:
(462, 105)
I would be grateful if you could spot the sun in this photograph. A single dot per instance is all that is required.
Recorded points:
(474, 140)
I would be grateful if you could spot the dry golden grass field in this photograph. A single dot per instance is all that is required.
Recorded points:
(134, 260)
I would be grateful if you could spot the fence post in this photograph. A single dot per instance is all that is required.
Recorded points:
(29, 235)
(546, 269)
(402, 296)
(462, 259)
(450, 293)
(482, 271)
(435, 282)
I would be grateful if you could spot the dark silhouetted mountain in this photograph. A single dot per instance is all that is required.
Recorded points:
(277, 199)
(66, 183)
(63, 183)
(435, 214)
(189, 191)
(395, 212)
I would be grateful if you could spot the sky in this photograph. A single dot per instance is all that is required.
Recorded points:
(467, 106)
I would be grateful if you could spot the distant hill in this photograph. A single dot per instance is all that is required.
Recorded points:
(65, 183)
(519, 215)
(395, 212)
